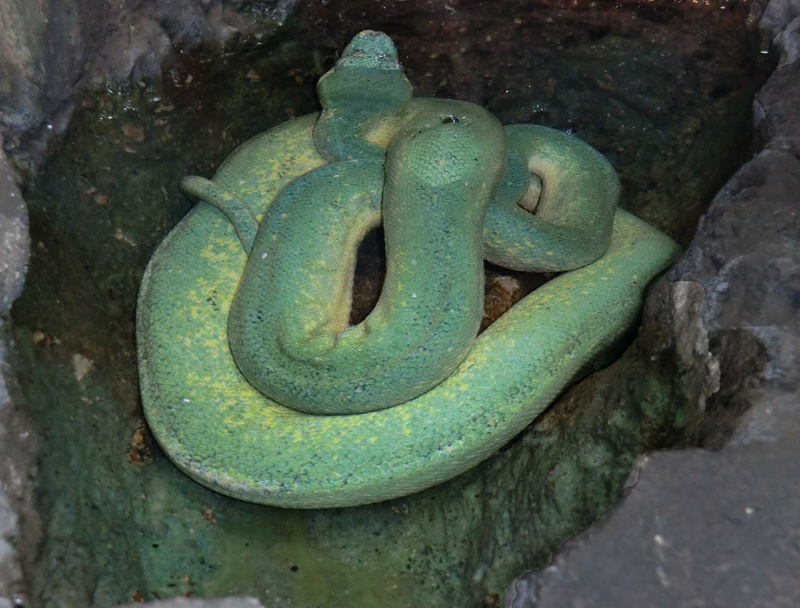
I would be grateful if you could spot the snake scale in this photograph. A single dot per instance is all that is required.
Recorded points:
(252, 380)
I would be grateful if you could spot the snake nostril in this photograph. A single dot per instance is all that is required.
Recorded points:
(448, 119)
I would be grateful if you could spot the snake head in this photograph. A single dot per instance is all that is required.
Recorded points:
(370, 50)
(365, 86)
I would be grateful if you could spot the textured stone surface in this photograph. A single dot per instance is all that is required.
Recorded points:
(48, 51)
(10, 572)
(699, 529)
(13, 493)
(14, 249)
(777, 122)
(52, 49)
(704, 528)
(777, 15)
(14, 241)
(788, 42)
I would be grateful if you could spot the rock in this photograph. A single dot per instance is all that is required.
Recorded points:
(777, 122)
(699, 528)
(11, 577)
(14, 246)
(719, 528)
(14, 240)
(10, 572)
(50, 52)
(777, 15)
(788, 43)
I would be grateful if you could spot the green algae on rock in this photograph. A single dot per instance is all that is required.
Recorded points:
(237, 374)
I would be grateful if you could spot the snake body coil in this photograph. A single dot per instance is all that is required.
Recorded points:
(252, 379)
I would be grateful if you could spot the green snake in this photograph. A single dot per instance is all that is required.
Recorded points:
(252, 380)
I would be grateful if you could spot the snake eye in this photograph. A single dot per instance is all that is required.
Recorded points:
(447, 119)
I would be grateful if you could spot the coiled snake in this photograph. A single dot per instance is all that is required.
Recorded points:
(251, 379)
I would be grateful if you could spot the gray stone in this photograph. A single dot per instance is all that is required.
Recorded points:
(14, 247)
(777, 15)
(699, 529)
(776, 118)
(14, 240)
(10, 572)
(788, 43)
(11, 579)
(52, 49)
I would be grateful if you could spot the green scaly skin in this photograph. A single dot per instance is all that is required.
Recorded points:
(417, 398)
